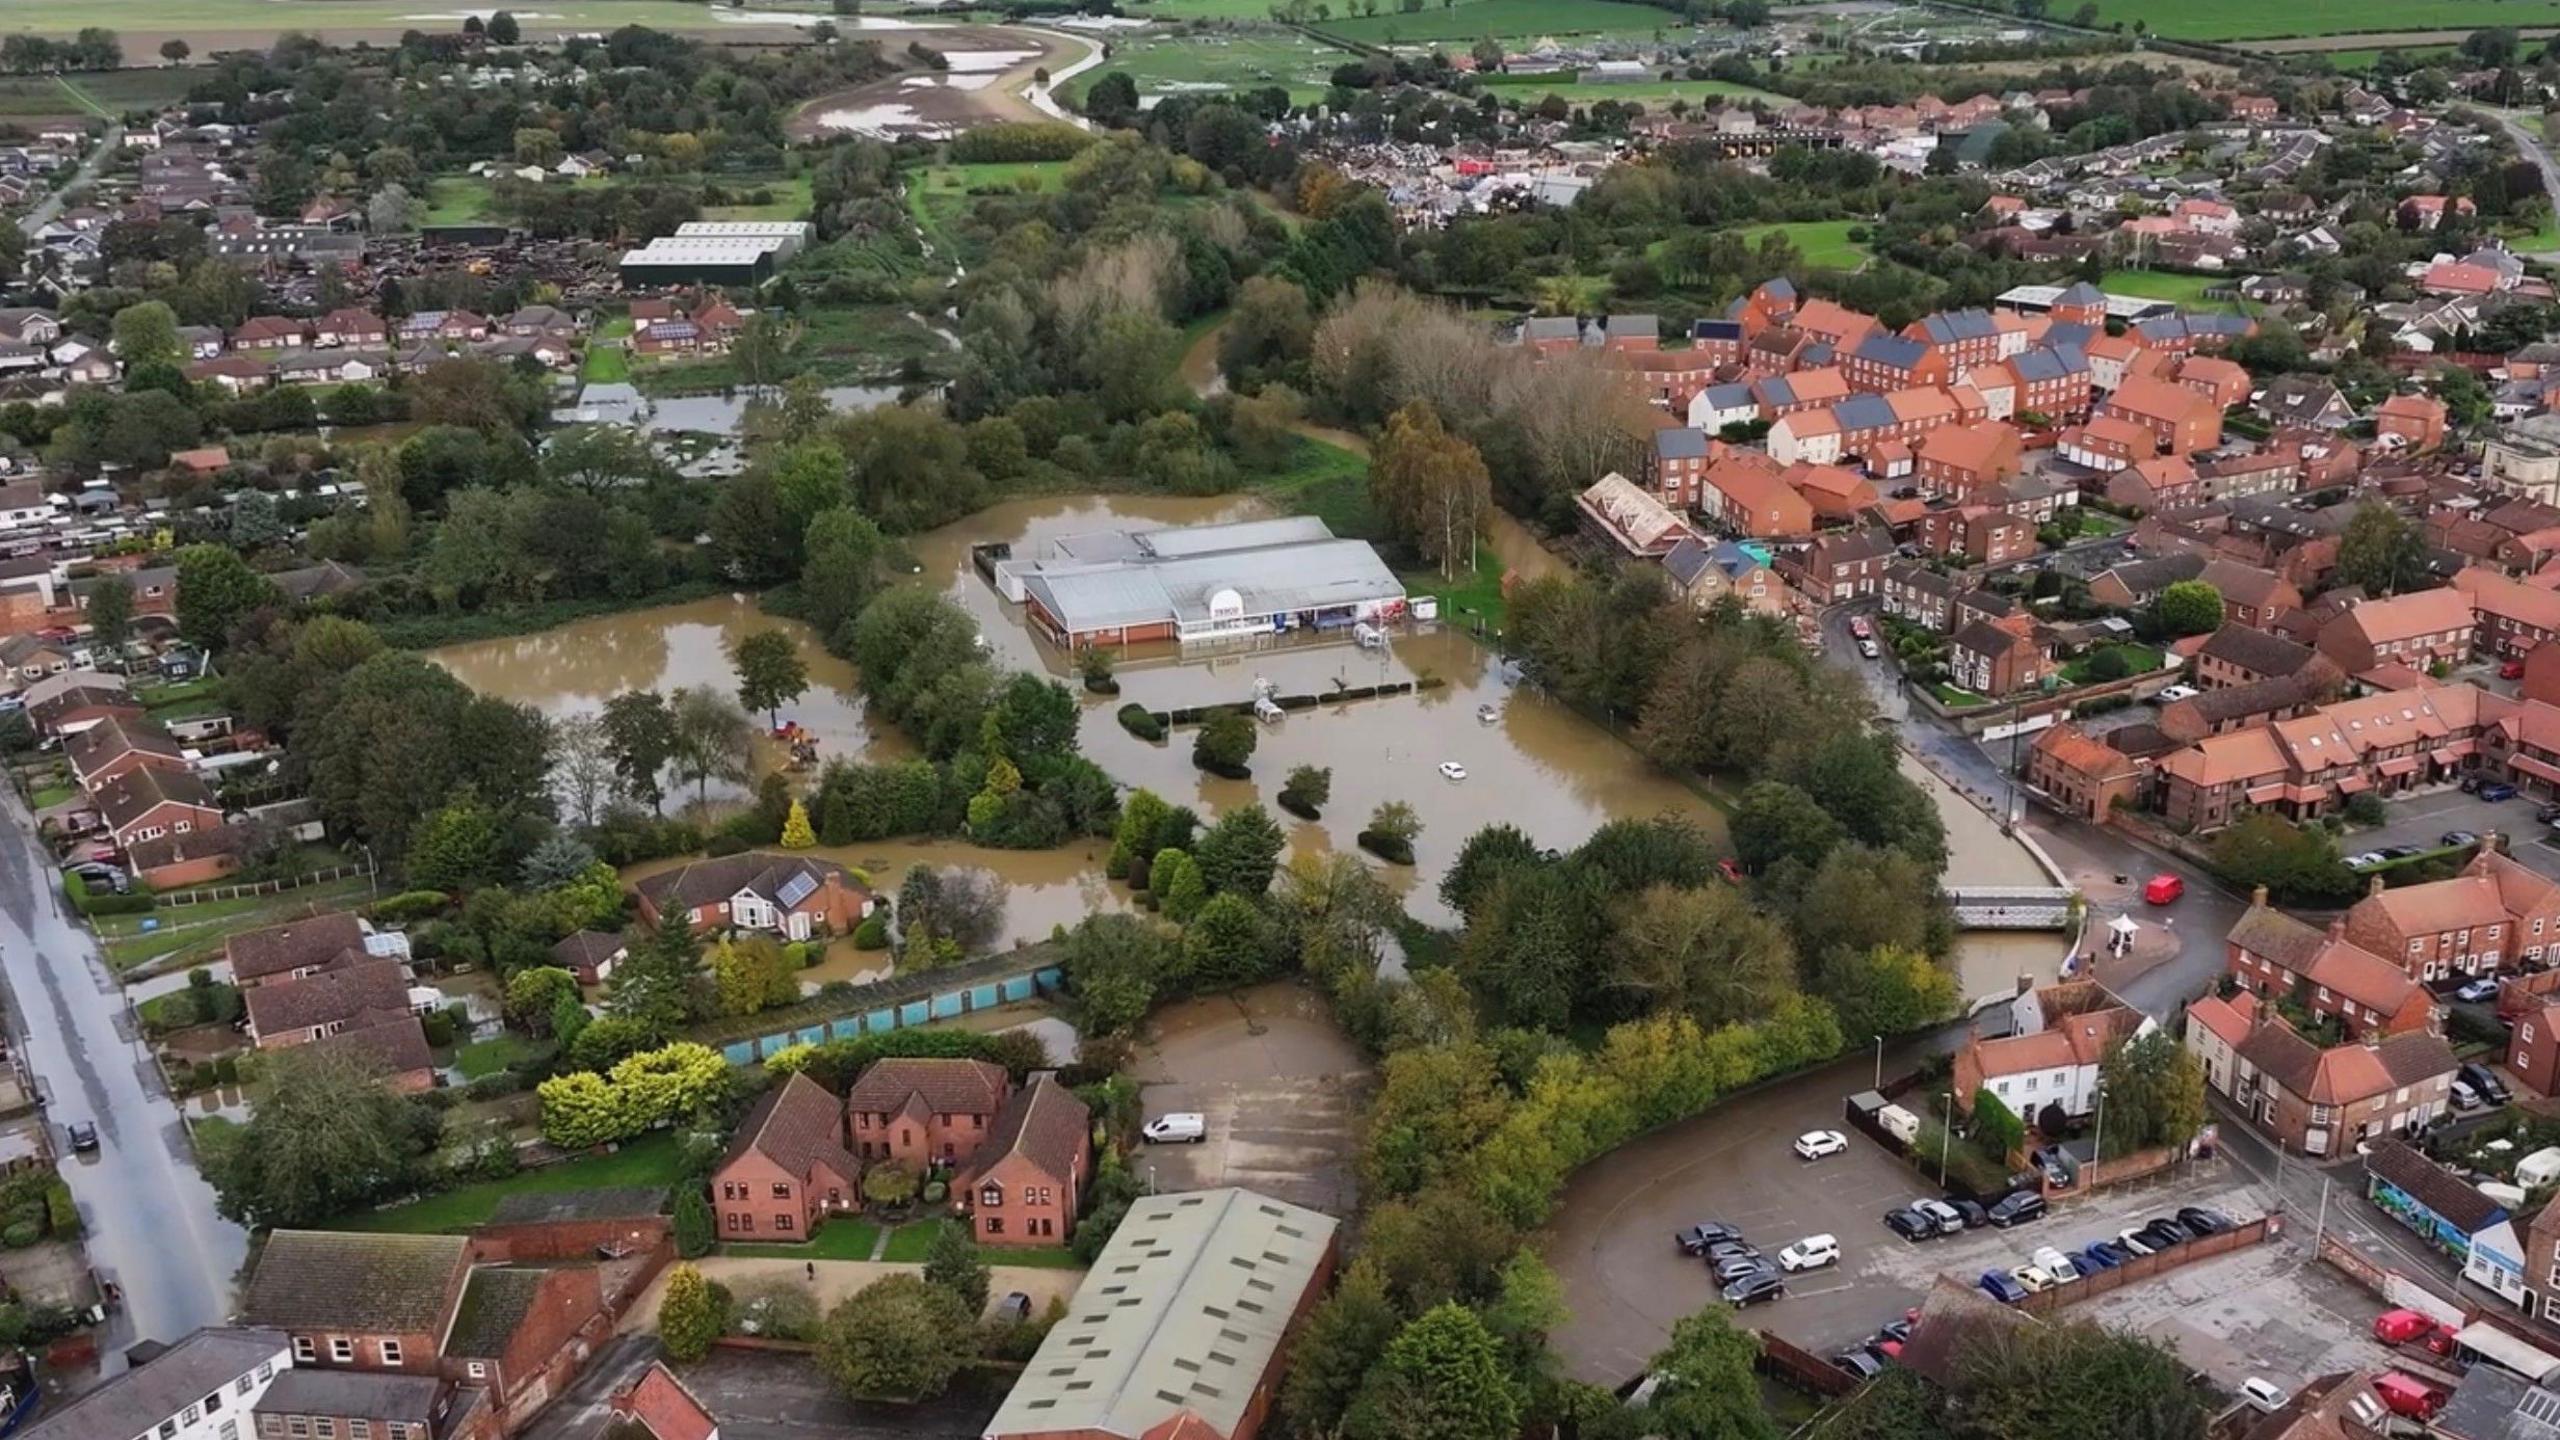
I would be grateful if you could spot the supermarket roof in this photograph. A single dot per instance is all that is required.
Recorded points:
(1215, 572)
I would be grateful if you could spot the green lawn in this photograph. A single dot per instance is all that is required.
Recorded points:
(790, 200)
(1825, 244)
(909, 1243)
(196, 932)
(1210, 61)
(1330, 483)
(2139, 659)
(841, 1238)
(2265, 19)
(1472, 20)
(488, 1057)
(1955, 699)
(650, 1160)
(608, 359)
(51, 795)
(470, 199)
(2186, 291)
(1467, 596)
(1654, 94)
(841, 345)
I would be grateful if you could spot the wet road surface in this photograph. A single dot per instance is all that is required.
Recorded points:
(149, 1213)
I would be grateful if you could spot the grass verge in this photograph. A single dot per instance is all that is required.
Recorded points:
(651, 1160)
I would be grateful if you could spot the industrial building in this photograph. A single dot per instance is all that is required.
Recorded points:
(1201, 583)
(742, 253)
(1181, 1326)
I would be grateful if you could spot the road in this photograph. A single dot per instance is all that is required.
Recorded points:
(148, 1211)
(2531, 147)
(42, 215)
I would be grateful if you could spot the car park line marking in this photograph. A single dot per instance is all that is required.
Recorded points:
(1796, 1293)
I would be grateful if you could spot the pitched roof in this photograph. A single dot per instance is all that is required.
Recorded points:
(948, 1086)
(365, 990)
(2246, 584)
(392, 1046)
(2456, 904)
(145, 788)
(354, 1283)
(2433, 1186)
(798, 1126)
(2405, 617)
(136, 1401)
(586, 948)
(2262, 652)
(494, 1303)
(2273, 935)
(256, 954)
(669, 1411)
(112, 738)
(2149, 577)
(1041, 1122)
(707, 881)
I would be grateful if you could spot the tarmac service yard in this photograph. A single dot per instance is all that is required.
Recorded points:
(1281, 1088)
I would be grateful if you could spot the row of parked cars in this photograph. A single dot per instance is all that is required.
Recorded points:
(1927, 1219)
(2050, 1267)
(1746, 1274)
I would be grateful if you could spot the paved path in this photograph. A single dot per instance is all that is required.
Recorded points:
(52, 204)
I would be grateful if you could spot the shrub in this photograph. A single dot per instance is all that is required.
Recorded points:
(408, 905)
(62, 1213)
(21, 1234)
(872, 933)
(2366, 808)
(889, 1185)
(1390, 848)
(1138, 720)
(935, 1192)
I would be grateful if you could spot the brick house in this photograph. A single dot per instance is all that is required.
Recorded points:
(2159, 483)
(2417, 630)
(1026, 1183)
(591, 955)
(1780, 396)
(1848, 566)
(2055, 1066)
(2314, 1101)
(2238, 655)
(921, 1112)
(795, 896)
(2080, 773)
(2221, 381)
(1918, 594)
(307, 1401)
(360, 1302)
(516, 1332)
(2533, 1054)
(1957, 460)
(1883, 361)
(788, 1167)
(2251, 596)
(361, 329)
(294, 949)
(2235, 707)
(117, 745)
(2510, 618)
(1977, 534)
(2178, 420)
(660, 1404)
(1970, 337)
(1996, 658)
(2496, 913)
(2409, 423)
(2137, 582)
(1704, 573)
(2272, 955)
(146, 803)
(1675, 465)
(1745, 495)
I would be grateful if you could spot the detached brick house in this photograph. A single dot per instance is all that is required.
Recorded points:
(2179, 420)
(2080, 773)
(116, 745)
(787, 1168)
(146, 803)
(1994, 658)
(2496, 913)
(1026, 1182)
(795, 896)
(294, 949)
(1848, 566)
(2238, 655)
(918, 1112)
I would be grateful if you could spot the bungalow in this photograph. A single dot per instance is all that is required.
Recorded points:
(294, 1012)
(591, 955)
(1026, 1183)
(268, 332)
(2251, 596)
(788, 1168)
(146, 803)
(2306, 400)
(795, 896)
(351, 327)
(2138, 582)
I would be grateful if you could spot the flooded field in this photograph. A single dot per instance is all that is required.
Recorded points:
(1531, 763)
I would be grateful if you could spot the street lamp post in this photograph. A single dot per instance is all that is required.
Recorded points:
(1879, 1062)
(1946, 1137)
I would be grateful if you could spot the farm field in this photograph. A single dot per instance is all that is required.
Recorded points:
(2261, 19)
(1471, 20)
(2349, 61)
(1645, 92)
(1825, 244)
(1171, 64)
(940, 197)
(106, 94)
(467, 199)
(240, 20)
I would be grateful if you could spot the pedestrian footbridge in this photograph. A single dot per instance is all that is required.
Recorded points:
(2010, 907)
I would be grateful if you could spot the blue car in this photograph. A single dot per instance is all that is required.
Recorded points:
(2497, 790)
(2003, 1289)
(2093, 1258)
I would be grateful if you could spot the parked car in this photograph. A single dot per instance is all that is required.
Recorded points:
(2457, 837)
(2404, 1395)
(2101, 1255)
(2163, 889)
(2510, 669)
(2172, 694)
(2483, 1083)
(2402, 852)
(2166, 1234)
(1814, 1144)
(84, 1136)
(2203, 1221)
(2055, 1264)
(1696, 1239)
(2548, 811)
(1861, 1363)
(1810, 1253)
(2002, 1288)
(2137, 1243)
(1725, 1250)
(1754, 1288)
(1949, 1219)
(2399, 1327)
(1975, 1217)
(1181, 1128)
(2031, 1278)
(2018, 1209)
(1892, 1332)
(1868, 649)
(2262, 1395)
(1014, 1308)
(2496, 791)
(2054, 1166)
(1910, 1224)
(2464, 1097)
(2476, 991)
(2366, 860)
(1734, 1267)
(1859, 628)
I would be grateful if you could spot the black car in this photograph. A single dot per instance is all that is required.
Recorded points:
(1896, 1331)
(1726, 1249)
(1755, 1287)
(2401, 852)
(1696, 1239)
(2484, 1084)
(1911, 1225)
(2548, 813)
(2163, 1233)
(84, 1136)
(1860, 1363)
(2463, 837)
(2203, 1221)
(1735, 1267)
(2018, 1209)
(1975, 1217)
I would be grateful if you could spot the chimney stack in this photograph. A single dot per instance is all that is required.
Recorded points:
(2373, 886)
(2258, 898)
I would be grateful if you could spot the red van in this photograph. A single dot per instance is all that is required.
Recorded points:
(2399, 1327)
(2163, 889)
(2404, 1396)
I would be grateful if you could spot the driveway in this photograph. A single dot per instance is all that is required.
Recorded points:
(1281, 1088)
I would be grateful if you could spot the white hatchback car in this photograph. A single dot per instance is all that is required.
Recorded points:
(1810, 1253)
(2171, 694)
(1814, 1144)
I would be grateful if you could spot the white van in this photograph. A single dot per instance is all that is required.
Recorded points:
(1810, 1253)
(1899, 1123)
(1187, 1127)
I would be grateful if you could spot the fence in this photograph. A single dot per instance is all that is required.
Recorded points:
(2144, 1267)
(900, 1003)
(208, 894)
(1783, 1360)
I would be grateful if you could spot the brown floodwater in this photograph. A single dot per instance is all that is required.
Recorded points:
(1533, 763)
(575, 668)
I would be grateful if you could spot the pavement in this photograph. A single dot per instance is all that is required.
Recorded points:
(148, 1212)
(2271, 1311)
(1280, 1086)
(51, 205)
(2424, 819)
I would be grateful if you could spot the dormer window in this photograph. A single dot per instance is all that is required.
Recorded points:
(991, 1196)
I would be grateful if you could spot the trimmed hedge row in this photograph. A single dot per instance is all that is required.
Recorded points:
(1138, 720)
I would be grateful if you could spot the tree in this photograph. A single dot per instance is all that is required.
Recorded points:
(1307, 790)
(1777, 821)
(697, 1229)
(2190, 607)
(689, 1317)
(845, 562)
(2380, 551)
(711, 739)
(533, 996)
(652, 986)
(751, 974)
(1240, 853)
(1709, 1389)
(1442, 1378)
(899, 1339)
(584, 773)
(1530, 946)
(1486, 855)
(640, 736)
(1432, 487)
(175, 50)
(503, 29)
(771, 673)
(324, 1137)
(1707, 952)
(1435, 1106)
(111, 615)
(1175, 880)
(2151, 1093)
(1227, 944)
(216, 591)
(1996, 1127)
(2298, 865)
(952, 1263)
(1225, 742)
(1343, 1338)
(455, 848)
(1884, 990)
(147, 334)
(2077, 1379)
(796, 833)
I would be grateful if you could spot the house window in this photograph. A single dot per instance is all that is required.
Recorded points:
(359, 1430)
(782, 1220)
(296, 1425)
(304, 1350)
(267, 1371)
(781, 1192)
(271, 1425)
(342, 1350)
(324, 1428)
(991, 1196)
(241, 1385)
(477, 1370)
(230, 1430)
(213, 1403)
(994, 1224)
(390, 1352)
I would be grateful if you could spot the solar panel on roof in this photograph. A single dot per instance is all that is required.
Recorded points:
(796, 889)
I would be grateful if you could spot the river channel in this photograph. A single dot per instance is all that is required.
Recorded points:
(1532, 763)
